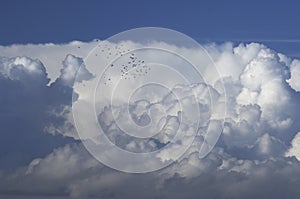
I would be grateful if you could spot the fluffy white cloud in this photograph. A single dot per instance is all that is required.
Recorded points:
(73, 67)
(51, 55)
(295, 148)
(295, 75)
(261, 123)
(30, 109)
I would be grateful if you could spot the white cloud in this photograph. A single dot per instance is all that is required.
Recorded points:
(295, 147)
(73, 67)
(253, 149)
(295, 75)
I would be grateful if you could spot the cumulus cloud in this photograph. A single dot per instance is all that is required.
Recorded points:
(29, 108)
(295, 75)
(294, 149)
(70, 71)
(51, 55)
(256, 155)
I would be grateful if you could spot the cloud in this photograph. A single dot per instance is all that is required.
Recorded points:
(51, 55)
(295, 75)
(29, 108)
(256, 155)
(294, 149)
(70, 71)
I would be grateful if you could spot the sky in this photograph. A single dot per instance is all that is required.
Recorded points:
(149, 99)
(274, 23)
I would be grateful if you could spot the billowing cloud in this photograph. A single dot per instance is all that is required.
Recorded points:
(29, 107)
(295, 145)
(295, 75)
(256, 155)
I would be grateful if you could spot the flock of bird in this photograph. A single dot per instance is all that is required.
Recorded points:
(131, 68)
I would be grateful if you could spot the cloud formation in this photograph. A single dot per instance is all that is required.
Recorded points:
(29, 108)
(256, 156)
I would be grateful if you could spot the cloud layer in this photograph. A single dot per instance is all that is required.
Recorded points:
(256, 156)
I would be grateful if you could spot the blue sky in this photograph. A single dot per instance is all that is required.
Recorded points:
(275, 23)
